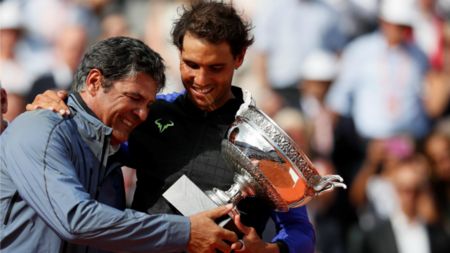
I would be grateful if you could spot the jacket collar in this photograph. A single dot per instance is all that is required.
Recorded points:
(94, 127)
(225, 113)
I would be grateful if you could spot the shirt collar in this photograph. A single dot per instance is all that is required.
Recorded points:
(113, 149)
(227, 112)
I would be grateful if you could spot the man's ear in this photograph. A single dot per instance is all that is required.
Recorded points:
(3, 101)
(240, 58)
(179, 54)
(93, 82)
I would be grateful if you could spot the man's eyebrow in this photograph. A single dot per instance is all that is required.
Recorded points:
(135, 93)
(212, 65)
(218, 65)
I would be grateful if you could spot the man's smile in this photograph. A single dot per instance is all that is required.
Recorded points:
(126, 122)
(202, 90)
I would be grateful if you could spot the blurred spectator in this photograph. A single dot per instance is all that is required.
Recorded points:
(438, 82)
(429, 32)
(356, 17)
(14, 77)
(405, 231)
(371, 191)
(294, 124)
(96, 5)
(286, 31)
(318, 72)
(44, 21)
(363, 15)
(443, 7)
(67, 54)
(328, 229)
(115, 25)
(437, 149)
(382, 79)
(157, 36)
(3, 109)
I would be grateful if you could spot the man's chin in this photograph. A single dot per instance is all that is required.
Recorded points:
(116, 140)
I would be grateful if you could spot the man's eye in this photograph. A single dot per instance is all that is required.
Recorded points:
(134, 99)
(217, 68)
(192, 66)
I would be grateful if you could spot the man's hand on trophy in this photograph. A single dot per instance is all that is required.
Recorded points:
(251, 242)
(206, 235)
(50, 100)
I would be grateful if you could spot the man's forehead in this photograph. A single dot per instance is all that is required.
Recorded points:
(193, 45)
(142, 85)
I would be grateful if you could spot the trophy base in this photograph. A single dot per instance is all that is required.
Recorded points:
(187, 199)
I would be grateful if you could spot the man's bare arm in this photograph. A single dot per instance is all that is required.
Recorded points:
(50, 100)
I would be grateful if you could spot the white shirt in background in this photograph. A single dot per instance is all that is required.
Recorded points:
(411, 237)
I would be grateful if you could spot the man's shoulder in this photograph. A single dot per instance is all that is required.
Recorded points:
(32, 129)
(36, 121)
(362, 48)
(364, 41)
(170, 97)
(168, 105)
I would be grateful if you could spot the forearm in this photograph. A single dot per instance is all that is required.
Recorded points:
(357, 192)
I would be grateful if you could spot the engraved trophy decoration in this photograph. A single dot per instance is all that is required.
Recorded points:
(267, 164)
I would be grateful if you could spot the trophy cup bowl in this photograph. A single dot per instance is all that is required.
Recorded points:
(268, 164)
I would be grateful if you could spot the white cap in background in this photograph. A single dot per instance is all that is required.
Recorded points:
(10, 15)
(399, 12)
(320, 65)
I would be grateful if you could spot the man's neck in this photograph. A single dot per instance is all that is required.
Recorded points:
(88, 100)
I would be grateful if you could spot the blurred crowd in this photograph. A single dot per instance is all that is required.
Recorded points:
(362, 86)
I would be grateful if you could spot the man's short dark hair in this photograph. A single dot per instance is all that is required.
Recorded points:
(214, 22)
(119, 58)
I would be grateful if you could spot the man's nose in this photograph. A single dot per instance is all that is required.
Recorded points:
(141, 112)
(201, 77)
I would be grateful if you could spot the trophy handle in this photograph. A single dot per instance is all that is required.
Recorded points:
(249, 102)
(328, 183)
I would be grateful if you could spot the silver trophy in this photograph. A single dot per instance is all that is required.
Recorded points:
(268, 164)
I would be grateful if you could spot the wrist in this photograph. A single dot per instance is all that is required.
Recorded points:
(271, 247)
(281, 246)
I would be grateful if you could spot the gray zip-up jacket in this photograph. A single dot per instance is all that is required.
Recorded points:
(55, 194)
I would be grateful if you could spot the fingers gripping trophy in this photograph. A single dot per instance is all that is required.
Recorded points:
(267, 165)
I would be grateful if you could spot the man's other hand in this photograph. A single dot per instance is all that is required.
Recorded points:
(50, 100)
(251, 242)
(206, 235)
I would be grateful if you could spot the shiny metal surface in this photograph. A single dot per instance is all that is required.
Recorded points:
(268, 164)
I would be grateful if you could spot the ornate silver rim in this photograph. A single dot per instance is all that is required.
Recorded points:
(282, 140)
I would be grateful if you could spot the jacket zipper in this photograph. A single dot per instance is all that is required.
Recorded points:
(11, 204)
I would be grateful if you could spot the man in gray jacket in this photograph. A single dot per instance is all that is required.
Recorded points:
(59, 192)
